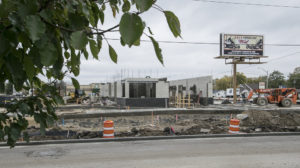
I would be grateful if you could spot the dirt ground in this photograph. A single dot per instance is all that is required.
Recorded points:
(181, 124)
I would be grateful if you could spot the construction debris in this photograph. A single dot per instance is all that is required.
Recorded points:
(164, 125)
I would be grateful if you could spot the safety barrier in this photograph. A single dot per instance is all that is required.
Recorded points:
(108, 129)
(234, 127)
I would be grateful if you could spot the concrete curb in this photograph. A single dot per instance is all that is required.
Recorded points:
(46, 142)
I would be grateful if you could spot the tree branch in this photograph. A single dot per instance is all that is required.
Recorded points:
(104, 31)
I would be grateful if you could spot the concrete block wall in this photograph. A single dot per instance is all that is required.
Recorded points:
(202, 83)
(104, 90)
(162, 89)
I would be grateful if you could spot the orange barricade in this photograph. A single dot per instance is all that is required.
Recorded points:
(234, 127)
(108, 129)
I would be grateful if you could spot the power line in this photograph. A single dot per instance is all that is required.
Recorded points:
(205, 43)
(248, 4)
(252, 66)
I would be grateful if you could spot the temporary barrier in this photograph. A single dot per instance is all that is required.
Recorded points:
(234, 127)
(108, 129)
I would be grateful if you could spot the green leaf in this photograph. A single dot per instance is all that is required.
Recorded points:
(46, 14)
(77, 21)
(157, 50)
(99, 41)
(131, 28)
(67, 55)
(24, 108)
(113, 55)
(122, 42)
(143, 5)
(35, 27)
(101, 16)
(173, 23)
(126, 6)
(29, 67)
(79, 40)
(15, 133)
(75, 83)
(1, 135)
(48, 54)
(42, 128)
(86, 54)
(94, 48)
(58, 99)
(137, 42)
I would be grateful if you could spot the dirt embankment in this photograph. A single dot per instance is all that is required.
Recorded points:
(181, 124)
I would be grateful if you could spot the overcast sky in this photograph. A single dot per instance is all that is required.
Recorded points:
(201, 22)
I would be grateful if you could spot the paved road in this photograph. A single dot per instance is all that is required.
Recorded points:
(246, 152)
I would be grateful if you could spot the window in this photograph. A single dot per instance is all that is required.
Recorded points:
(142, 90)
(123, 89)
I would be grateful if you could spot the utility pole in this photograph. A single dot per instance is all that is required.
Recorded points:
(234, 83)
(267, 81)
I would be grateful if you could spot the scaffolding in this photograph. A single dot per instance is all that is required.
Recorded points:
(183, 102)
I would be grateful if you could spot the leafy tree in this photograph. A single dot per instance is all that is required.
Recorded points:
(240, 78)
(227, 81)
(48, 37)
(223, 83)
(257, 79)
(276, 79)
(294, 80)
(96, 91)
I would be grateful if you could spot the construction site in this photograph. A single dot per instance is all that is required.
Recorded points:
(146, 106)
(149, 84)
(142, 107)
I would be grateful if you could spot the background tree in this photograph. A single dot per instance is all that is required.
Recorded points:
(223, 83)
(241, 78)
(257, 79)
(227, 81)
(48, 38)
(294, 80)
(276, 79)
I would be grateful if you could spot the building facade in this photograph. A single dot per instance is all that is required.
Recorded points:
(202, 86)
(138, 92)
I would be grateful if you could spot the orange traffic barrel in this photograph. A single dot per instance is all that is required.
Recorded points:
(108, 129)
(234, 127)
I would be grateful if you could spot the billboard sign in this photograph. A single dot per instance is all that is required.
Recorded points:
(241, 45)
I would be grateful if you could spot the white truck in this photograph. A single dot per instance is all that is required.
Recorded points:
(229, 92)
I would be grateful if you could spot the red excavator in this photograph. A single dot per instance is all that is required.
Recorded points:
(283, 97)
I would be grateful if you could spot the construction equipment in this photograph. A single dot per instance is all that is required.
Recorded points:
(77, 97)
(283, 97)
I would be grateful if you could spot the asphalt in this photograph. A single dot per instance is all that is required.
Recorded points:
(148, 138)
(229, 152)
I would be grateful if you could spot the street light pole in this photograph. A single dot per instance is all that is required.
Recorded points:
(267, 82)
(267, 79)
